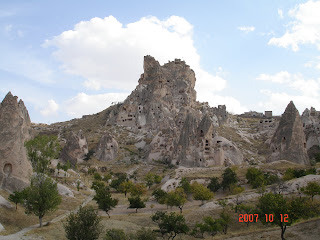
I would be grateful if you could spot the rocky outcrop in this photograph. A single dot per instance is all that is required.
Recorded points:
(15, 168)
(4, 203)
(226, 152)
(311, 125)
(164, 106)
(162, 93)
(107, 148)
(289, 140)
(75, 149)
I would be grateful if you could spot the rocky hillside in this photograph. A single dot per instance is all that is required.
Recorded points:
(161, 121)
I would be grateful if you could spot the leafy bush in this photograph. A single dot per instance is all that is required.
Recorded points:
(115, 234)
(83, 225)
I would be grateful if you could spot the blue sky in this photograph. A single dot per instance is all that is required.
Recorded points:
(70, 58)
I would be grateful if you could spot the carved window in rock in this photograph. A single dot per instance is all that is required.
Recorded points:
(201, 133)
(283, 139)
(304, 145)
(7, 169)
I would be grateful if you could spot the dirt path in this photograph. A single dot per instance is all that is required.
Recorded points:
(20, 234)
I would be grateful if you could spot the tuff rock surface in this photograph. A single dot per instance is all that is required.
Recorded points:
(15, 129)
(311, 124)
(164, 106)
(289, 140)
(107, 148)
(75, 149)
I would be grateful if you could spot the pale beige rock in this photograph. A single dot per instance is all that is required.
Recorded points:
(4, 203)
(15, 168)
(75, 148)
(107, 148)
(289, 140)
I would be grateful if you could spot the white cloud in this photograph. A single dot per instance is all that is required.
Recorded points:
(280, 13)
(110, 55)
(84, 104)
(296, 82)
(8, 28)
(246, 29)
(278, 101)
(304, 29)
(51, 109)
(313, 63)
(280, 77)
(307, 92)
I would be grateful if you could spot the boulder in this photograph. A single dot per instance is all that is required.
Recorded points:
(1, 228)
(64, 191)
(15, 129)
(4, 203)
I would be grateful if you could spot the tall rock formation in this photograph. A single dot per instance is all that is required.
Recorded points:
(15, 129)
(162, 98)
(107, 148)
(289, 140)
(75, 148)
(164, 106)
(311, 124)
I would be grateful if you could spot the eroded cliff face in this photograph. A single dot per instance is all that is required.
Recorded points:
(75, 149)
(164, 105)
(311, 125)
(107, 149)
(289, 140)
(15, 129)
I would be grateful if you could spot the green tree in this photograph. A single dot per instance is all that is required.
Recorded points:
(59, 167)
(104, 200)
(185, 184)
(42, 196)
(125, 187)
(288, 175)
(160, 195)
(255, 177)
(229, 178)
(247, 209)
(176, 198)
(157, 179)
(83, 225)
(149, 178)
(97, 176)
(224, 221)
(200, 192)
(275, 205)
(121, 177)
(138, 190)
(115, 234)
(144, 234)
(96, 185)
(136, 202)
(170, 224)
(214, 184)
(237, 190)
(41, 150)
(88, 156)
(209, 225)
(16, 197)
(312, 189)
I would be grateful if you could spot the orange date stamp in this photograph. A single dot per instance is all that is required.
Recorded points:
(255, 217)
